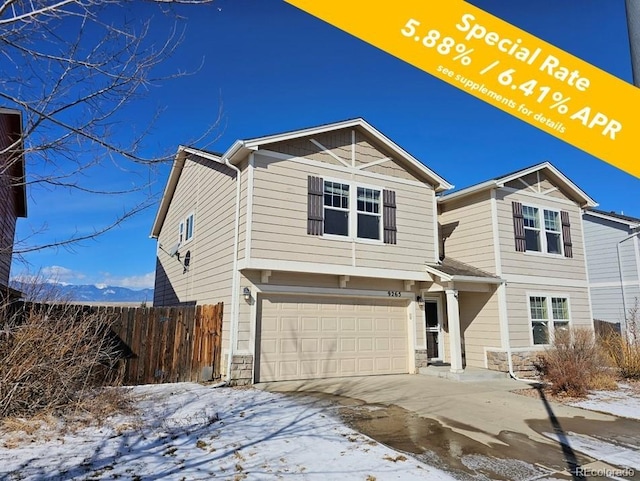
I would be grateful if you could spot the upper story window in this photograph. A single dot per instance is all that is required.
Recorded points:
(541, 230)
(185, 230)
(336, 208)
(548, 315)
(542, 234)
(352, 211)
(368, 213)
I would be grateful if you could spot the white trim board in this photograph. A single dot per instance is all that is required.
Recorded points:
(333, 269)
(543, 281)
(267, 289)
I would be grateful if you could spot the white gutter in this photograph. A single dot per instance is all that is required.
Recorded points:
(236, 274)
(623, 328)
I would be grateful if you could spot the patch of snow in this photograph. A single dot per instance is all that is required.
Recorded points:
(101, 286)
(195, 432)
(624, 402)
(108, 291)
(598, 449)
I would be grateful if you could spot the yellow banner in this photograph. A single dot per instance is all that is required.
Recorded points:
(502, 65)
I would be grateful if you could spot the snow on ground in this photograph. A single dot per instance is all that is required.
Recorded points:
(627, 457)
(625, 402)
(192, 432)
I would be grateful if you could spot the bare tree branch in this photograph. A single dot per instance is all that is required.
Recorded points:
(74, 68)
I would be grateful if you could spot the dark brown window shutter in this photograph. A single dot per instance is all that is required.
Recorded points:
(518, 227)
(566, 234)
(315, 205)
(389, 217)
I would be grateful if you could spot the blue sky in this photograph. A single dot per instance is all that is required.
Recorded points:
(272, 67)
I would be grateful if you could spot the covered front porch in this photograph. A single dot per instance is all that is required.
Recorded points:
(461, 317)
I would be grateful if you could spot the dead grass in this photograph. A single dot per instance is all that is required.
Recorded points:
(622, 350)
(52, 360)
(573, 365)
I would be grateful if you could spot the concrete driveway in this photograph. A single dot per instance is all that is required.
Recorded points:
(478, 430)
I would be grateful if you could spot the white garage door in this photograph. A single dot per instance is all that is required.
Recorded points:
(305, 338)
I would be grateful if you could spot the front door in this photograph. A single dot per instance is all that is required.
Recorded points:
(432, 322)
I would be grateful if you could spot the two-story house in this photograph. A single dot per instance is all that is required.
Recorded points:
(12, 189)
(613, 261)
(324, 245)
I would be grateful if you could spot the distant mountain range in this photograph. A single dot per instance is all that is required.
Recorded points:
(82, 293)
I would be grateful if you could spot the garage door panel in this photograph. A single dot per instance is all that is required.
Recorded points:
(329, 367)
(382, 344)
(288, 346)
(365, 344)
(310, 324)
(366, 365)
(329, 345)
(310, 345)
(329, 324)
(343, 337)
(347, 365)
(383, 364)
(309, 368)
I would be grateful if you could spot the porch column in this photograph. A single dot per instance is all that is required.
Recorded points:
(453, 317)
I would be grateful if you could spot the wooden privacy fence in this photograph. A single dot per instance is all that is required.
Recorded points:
(169, 344)
(157, 344)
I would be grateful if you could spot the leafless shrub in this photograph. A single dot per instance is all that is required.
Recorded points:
(51, 359)
(623, 349)
(573, 364)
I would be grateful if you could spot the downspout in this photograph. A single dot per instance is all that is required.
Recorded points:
(236, 278)
(623, 328)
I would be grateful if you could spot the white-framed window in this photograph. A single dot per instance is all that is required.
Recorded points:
(369, 213)
(549, 314)
(336, 208)
(186, 229)
(542, 230)
(352, 210)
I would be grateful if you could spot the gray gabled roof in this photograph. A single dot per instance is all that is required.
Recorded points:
(614, 217)
(449, 269)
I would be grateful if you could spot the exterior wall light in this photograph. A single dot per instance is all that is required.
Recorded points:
(246, 292)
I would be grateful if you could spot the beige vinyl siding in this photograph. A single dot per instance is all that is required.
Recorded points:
(207, 189)
(479, 324)
(280, 221)
(467, 223)
(279, 228)
(527, 263)
(518, 309)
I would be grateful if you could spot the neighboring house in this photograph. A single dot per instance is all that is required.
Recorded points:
(613, 261)
(12, 189)
(324, 245)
